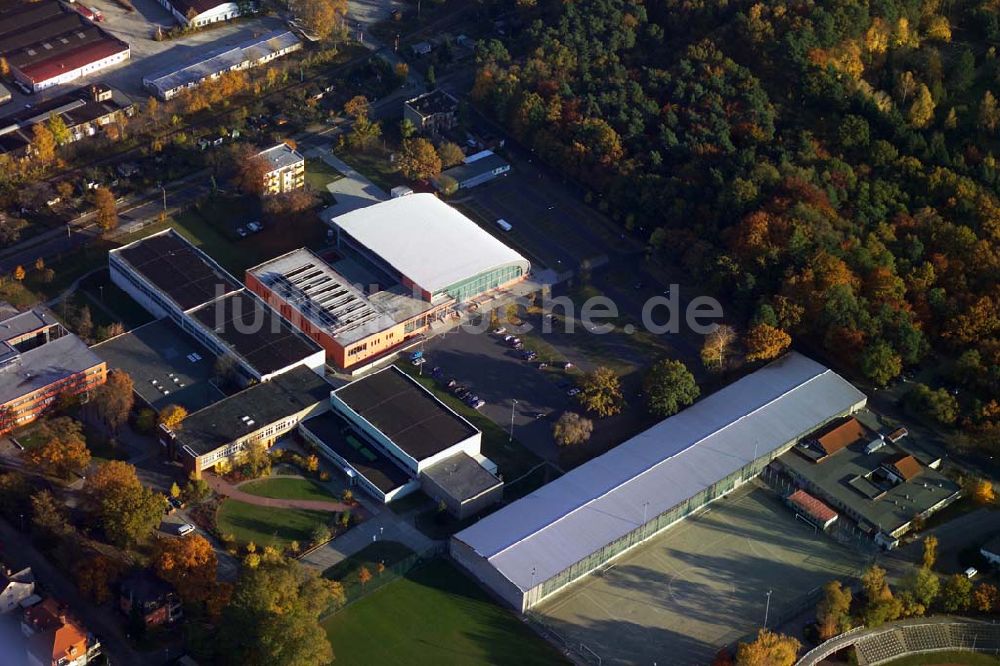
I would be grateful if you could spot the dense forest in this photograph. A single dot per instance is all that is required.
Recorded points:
(828, 166)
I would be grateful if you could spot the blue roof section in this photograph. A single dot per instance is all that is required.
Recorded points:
(606, 498)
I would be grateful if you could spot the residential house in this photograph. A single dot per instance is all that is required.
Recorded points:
(287, 169)
(433, 112)
(15, 587)
(153, 599)
(55, 638)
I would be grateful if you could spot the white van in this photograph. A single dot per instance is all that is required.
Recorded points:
(185, 529)
(504, 224)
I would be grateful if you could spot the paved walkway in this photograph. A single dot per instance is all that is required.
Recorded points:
(386, 526)
(223, 487)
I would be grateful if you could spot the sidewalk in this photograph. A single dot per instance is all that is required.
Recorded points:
(386, 526)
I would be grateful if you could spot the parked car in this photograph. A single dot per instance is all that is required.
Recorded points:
(573, 391)
(514, 341)
(971, 572)
(418, 361)
(542, 365)
(478, 404)
(241, 232)
(537, 415)
(499, 331)
(567, 365)
(185, 529)
(255, 226)
(508, 338)
(437, 371)
(452, 383)
(176, 502)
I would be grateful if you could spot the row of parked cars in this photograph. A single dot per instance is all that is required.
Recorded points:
(528, 355)
(463, 393)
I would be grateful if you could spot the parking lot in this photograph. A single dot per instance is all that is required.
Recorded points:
(498, 375)
(539, 216)
(701, 585)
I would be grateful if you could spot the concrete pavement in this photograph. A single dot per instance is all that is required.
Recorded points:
(386, 526)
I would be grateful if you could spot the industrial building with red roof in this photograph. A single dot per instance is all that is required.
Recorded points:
(46, 44)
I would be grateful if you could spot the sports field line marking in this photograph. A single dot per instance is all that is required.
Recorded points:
(602, 607)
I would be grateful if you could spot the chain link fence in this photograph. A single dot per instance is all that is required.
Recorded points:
(354, 589)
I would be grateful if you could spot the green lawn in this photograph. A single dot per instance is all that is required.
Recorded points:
(289, 488)
(951, 658)
(435, 615)
(319, 174)
(264, 525)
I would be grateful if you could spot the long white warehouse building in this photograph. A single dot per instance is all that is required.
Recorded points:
(534, 547)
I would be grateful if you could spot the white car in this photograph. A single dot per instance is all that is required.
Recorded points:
(185, 529)
(573, 391)
(971, 572)
(499, 331)
(418, 361)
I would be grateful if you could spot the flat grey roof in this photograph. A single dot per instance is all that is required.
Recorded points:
(281, 155)
(222, 60)
(467, 170)
(251, 409)
(44, 365)
(405, 412)
(427, 241)
(161, 352)
(462, 477)
(570, 518)
(844, 477)
(336, 433)
(322, 295)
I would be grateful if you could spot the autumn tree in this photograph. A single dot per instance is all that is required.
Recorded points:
(96, 576)
(880, 604)
(43, 143)
(980, 490)
(402, 72)
(19, 273)
(189, 564)
(717, 346)
(172, 416)
(668, 387)
(113, 401)
(63, 451)
(106, 209)
(986, 598)
(571, 428)
(320, 17)
(769, 649)
(418, 159)
(364, 576)
(450, 154)
(601, 392)
(930, 551)
(956, 594)
(356, 107)
(248, 170)
(921, 112)
(923, 585)
(60, 132)
(833, 613)
(989, 113)
(126, 510)
(273, 616)
(765, 342)
(48, 516)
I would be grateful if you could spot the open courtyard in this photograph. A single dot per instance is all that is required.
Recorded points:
(699, 586)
